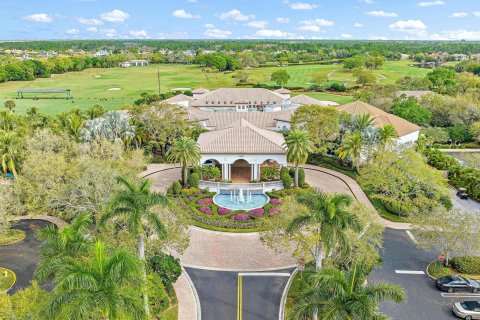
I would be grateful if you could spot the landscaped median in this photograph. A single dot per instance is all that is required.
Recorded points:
(12, 236)
(466, 266)
(7, 279)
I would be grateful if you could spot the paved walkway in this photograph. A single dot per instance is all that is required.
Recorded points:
(57, 221)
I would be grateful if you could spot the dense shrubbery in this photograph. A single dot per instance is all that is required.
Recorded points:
(467, 264)
(287, 181)
(458, 176)
(193, 180)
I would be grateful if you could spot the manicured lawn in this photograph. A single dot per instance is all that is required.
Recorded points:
(437, 270)
(89, 86)
(330, 97)
(13, 236)
(7, 279)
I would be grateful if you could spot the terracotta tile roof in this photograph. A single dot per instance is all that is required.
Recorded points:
(282, 90)
(305, 100)
(241, 137)
(381, 118)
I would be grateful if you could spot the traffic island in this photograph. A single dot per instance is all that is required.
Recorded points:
(7, 279)
(437, 269)
(12, 236)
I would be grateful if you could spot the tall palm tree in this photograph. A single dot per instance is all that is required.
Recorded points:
(74, 125)
(362, 121)
(298, 145)
(102, 285)
(132, 205)
(339, 295)
(11, 150)
(62, 244)
(330, 217)
(186, 152)
(351, 147)
(387, 135)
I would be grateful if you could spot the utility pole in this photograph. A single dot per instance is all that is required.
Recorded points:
(158, 79)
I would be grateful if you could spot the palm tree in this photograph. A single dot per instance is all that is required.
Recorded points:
(339, 295)
(132, 205)
(102, 285)
(362, 121)
(387, 135)
(351, 147)
(62, 244)
(11, 149)
(329, 216)
(186, 152)
(74, 125)
(7, 120)
(298, 145)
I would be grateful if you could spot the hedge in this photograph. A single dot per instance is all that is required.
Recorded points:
(467, 264)
(286, 181)
(458, 175)
(193, 180)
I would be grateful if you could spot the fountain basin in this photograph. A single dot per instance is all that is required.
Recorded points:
(254, 202)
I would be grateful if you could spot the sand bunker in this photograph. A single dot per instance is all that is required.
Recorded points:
(114, 89)
(97, 76)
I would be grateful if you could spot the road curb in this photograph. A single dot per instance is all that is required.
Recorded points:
(427, 273)
(283, 302)
(198, 308)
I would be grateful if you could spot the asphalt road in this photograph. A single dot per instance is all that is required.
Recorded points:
(22, 257)
(425, 301)
(464, 204)
(218, 294)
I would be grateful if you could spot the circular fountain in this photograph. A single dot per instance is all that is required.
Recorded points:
(238, 200)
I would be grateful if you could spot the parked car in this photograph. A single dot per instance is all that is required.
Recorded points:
(457, 283)
(462, 193)
(467, 310)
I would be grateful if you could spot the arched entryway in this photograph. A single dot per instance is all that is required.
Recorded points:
(241, 171)
(270, 164)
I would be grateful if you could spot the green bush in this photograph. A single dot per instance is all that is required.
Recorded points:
(459, 133)
(193, 180)
(166, 267)
(287, 181)
(466, 264)
(191, 191)
(301, 178)
(176, 188)
(446, 201)
(283, 171)
(157, 294)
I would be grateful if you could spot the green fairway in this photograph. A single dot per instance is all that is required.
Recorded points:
(120, 86)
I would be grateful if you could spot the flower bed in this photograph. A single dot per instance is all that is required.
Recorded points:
(204, 210)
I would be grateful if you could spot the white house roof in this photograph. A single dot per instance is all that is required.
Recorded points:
(200, 90)
(381, 118)
(306, 100)
(229, 96)
(241, 138)
(178, 98)
(282, 90)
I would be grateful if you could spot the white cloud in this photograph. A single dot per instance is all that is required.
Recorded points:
(235, 15)
(92, 22)
(477, 14)
(181, 13)
(431, 3)
(192, 1)
(358, 25)
(272, 33)
(381, 13)
(346, 36)
(92, 29)
(173, 35)
(318, 22)
(408, 25)
(367, 1)
(456, 35)
(109, 32)
(459, 15)
(257, 24)
(213, 32)
(142, 34)
(115, 16)
(72, 31)
(302, 6)
(283, 20)
(38, 17)
(312, 28)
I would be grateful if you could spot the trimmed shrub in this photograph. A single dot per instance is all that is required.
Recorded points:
(191, 191)
(275, 201)
(223, 211)
(283, 171)
(205, 201)
(241, 217)
(166, 266)
(206, 210)
(257, 212)
(287, 181)
(301, 178)
(467, 264)
(177, 188)
(193, 180)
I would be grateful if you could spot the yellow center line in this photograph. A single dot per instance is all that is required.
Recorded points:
(239, 298)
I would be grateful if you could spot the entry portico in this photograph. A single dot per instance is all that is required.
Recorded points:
(242, 150)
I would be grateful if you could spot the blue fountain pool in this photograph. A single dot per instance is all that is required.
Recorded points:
(232, 202)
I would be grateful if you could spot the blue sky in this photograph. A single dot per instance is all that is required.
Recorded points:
(215, 19)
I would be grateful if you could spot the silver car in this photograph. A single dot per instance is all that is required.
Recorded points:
(467, 310)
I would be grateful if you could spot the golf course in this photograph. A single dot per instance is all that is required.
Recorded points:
(115, 87)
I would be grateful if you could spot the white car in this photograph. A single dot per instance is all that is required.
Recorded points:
(467, 310)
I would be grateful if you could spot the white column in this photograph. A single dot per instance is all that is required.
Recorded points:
(224, 176)
(252, 172)
(229, 171)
